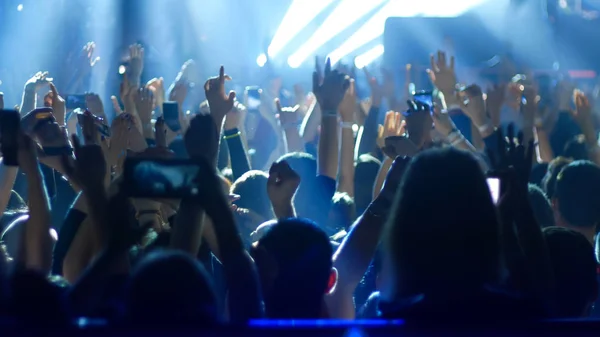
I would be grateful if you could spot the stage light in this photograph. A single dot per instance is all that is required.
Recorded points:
(366, 58)
(261, 60)
(375, 27)
(19, 7)
(344, 15)
(299, 14)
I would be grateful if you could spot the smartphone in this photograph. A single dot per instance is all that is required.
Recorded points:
(160, 178)
(100, 123)
(10, 122)
(171, 115)
(35, 118)
(73, 102)
(424, 97)
(253, 94)
(494, 186)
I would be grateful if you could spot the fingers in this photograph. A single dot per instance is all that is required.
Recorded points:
(160, 132)
(116, 106)
(327, 67)
(278, 104)
(54, 91)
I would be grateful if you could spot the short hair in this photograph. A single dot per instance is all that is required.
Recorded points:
(542, 210)
(303, 254)
(554, 168)
(252, 189)
(168, 287)
(578, 193)
(576, 148)
(575, 270)
(428, 221)
(343, 210)
(365, 173)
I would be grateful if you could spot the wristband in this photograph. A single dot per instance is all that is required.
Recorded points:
(347, 125)
(237, 134)
(459, 140)
(330, 113)
(484, 128)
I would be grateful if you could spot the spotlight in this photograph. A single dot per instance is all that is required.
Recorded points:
(365, 59)
(261, 60)
(20, 7)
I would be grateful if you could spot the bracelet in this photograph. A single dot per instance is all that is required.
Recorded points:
(237, 134)
(459, 140)
(484, 128)
(330, 113)
(347, 125)
(147, 212)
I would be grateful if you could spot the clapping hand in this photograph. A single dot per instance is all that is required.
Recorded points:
(329, 87)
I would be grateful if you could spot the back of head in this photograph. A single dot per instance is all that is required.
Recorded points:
(252, 189)
(554, 168)
(576, 148)
(540, 206)
(577, 192)
(572, 258)
(170, 287)
(294, 259)
(443, 230)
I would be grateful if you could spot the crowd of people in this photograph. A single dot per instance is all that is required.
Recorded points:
(308, 211)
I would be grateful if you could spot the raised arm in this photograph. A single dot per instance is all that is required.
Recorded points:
(346, 167)
(329, 88)
(38, 242)
(232, 133)
(368, 135)
(584, 118)
(289, 122)
(355, 253)
(281, 186)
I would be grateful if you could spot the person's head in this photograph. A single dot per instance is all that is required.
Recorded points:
(576, 148)
(575, 271)
(554, 168)
(252, 189)
(542, 210)
(365, 173)
(576, 197)
(294, 261)
(342, 212)
(170, 288)
(538, 172)
(443, 231)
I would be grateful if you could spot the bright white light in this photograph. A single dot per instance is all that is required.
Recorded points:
(345, 14)
(374, 28)
(20, 7)
(299, 14)
(294, 62)
(365, 59)
(261, 60)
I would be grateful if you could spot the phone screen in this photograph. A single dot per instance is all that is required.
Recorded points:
(73, 102)
(160, 178)
(253, 97)
(171, 115)
(424, 97)
(10, 121)
(494, 186)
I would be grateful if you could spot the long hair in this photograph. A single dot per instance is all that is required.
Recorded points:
(443, 230)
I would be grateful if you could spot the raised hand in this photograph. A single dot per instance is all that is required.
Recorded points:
(442, 121)
(288, 116)
(144, 101)
(583, 108)
(377, 90)
(442, 73)
(27, 157)
(475, 105)
(235, 118)
(116, 106)
(58, 105)
(136, 63)
(1, 100)
(418, 123)
(38, 80)
(393, 125)
(348, 105)
(94, 104)
(127, 93)
(393, 179)
(86, 60)
(220, 103)
(178, 93)
(120, 130)
(89, 166)
(282, 185)
(329, 88)
(157, 85)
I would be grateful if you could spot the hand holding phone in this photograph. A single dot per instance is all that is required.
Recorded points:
(160, 178)
(494, 187)
(73, 102)
(253, 97)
